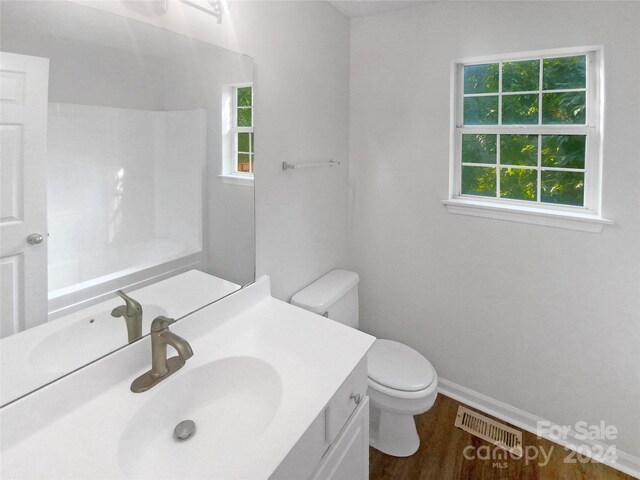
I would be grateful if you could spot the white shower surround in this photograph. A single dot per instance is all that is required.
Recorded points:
(124, 191)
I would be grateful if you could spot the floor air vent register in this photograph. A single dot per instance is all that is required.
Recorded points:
(490, 430)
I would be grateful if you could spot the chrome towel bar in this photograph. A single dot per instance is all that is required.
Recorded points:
(292, 166)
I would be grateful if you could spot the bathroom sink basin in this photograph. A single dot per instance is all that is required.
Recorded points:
(232, 402)
(86, 339)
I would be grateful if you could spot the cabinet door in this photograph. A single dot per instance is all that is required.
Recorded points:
(348, 458)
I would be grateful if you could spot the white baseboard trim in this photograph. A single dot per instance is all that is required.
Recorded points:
(625, 462)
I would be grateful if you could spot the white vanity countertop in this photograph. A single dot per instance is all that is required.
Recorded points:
(83, 426)
(41, 354)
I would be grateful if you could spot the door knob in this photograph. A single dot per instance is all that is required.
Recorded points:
(35, 239)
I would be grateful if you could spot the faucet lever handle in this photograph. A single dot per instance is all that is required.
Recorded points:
(129, 302)
(160, 323)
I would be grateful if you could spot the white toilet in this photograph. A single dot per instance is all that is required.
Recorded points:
(402, 383)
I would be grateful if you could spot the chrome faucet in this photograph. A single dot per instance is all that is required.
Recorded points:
(132, 313)
(161, 367)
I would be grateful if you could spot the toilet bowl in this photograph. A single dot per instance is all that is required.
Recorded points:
(402, 383)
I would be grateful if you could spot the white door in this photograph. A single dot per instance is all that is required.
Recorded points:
(23, 191)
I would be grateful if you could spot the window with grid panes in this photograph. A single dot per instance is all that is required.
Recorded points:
(527, 131)
(242, 130)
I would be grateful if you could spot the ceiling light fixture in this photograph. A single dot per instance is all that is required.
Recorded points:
(215, 8)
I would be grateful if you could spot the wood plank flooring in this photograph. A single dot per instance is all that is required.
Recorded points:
(440, 456)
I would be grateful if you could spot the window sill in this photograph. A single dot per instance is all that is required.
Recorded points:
(241, 180)
(551, 218)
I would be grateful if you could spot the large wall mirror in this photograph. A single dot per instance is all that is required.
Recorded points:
(127, 165)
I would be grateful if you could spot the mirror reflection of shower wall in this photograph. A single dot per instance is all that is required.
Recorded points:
(133, 129)
(120, 190)
(123, 172)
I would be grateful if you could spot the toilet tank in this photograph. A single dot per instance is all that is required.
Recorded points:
(335, 296)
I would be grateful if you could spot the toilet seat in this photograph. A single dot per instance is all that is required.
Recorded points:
(395, 367)
(400, 394)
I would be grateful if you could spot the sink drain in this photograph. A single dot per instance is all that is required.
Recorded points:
(184, 430)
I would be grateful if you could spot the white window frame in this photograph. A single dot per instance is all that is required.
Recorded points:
(587, 217)
(230, 173)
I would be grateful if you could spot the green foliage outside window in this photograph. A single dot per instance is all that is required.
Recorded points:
(481, 78)
(564, 108)
(244, 103)
(245, 97)
(520, 109)
(244, 121)
(566, 151)
(519, 150)
(520, 76)
(479, 181)
(558, 151)
(524, 76)
(479, 148)
(566, 188)
(564, 72)
(521, 99)
(518, 183)
(481, 110)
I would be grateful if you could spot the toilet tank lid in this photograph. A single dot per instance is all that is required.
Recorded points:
(324, 292)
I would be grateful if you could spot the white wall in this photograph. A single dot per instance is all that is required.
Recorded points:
(544, 319)
(179, 162)
(229, 209)
(103, 68)
(301, 54)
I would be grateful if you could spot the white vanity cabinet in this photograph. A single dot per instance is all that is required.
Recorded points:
(348, 457)
(336, 445)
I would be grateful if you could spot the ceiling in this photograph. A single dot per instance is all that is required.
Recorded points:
(361, 8)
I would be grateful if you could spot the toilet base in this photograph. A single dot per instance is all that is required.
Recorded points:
(393, 433)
